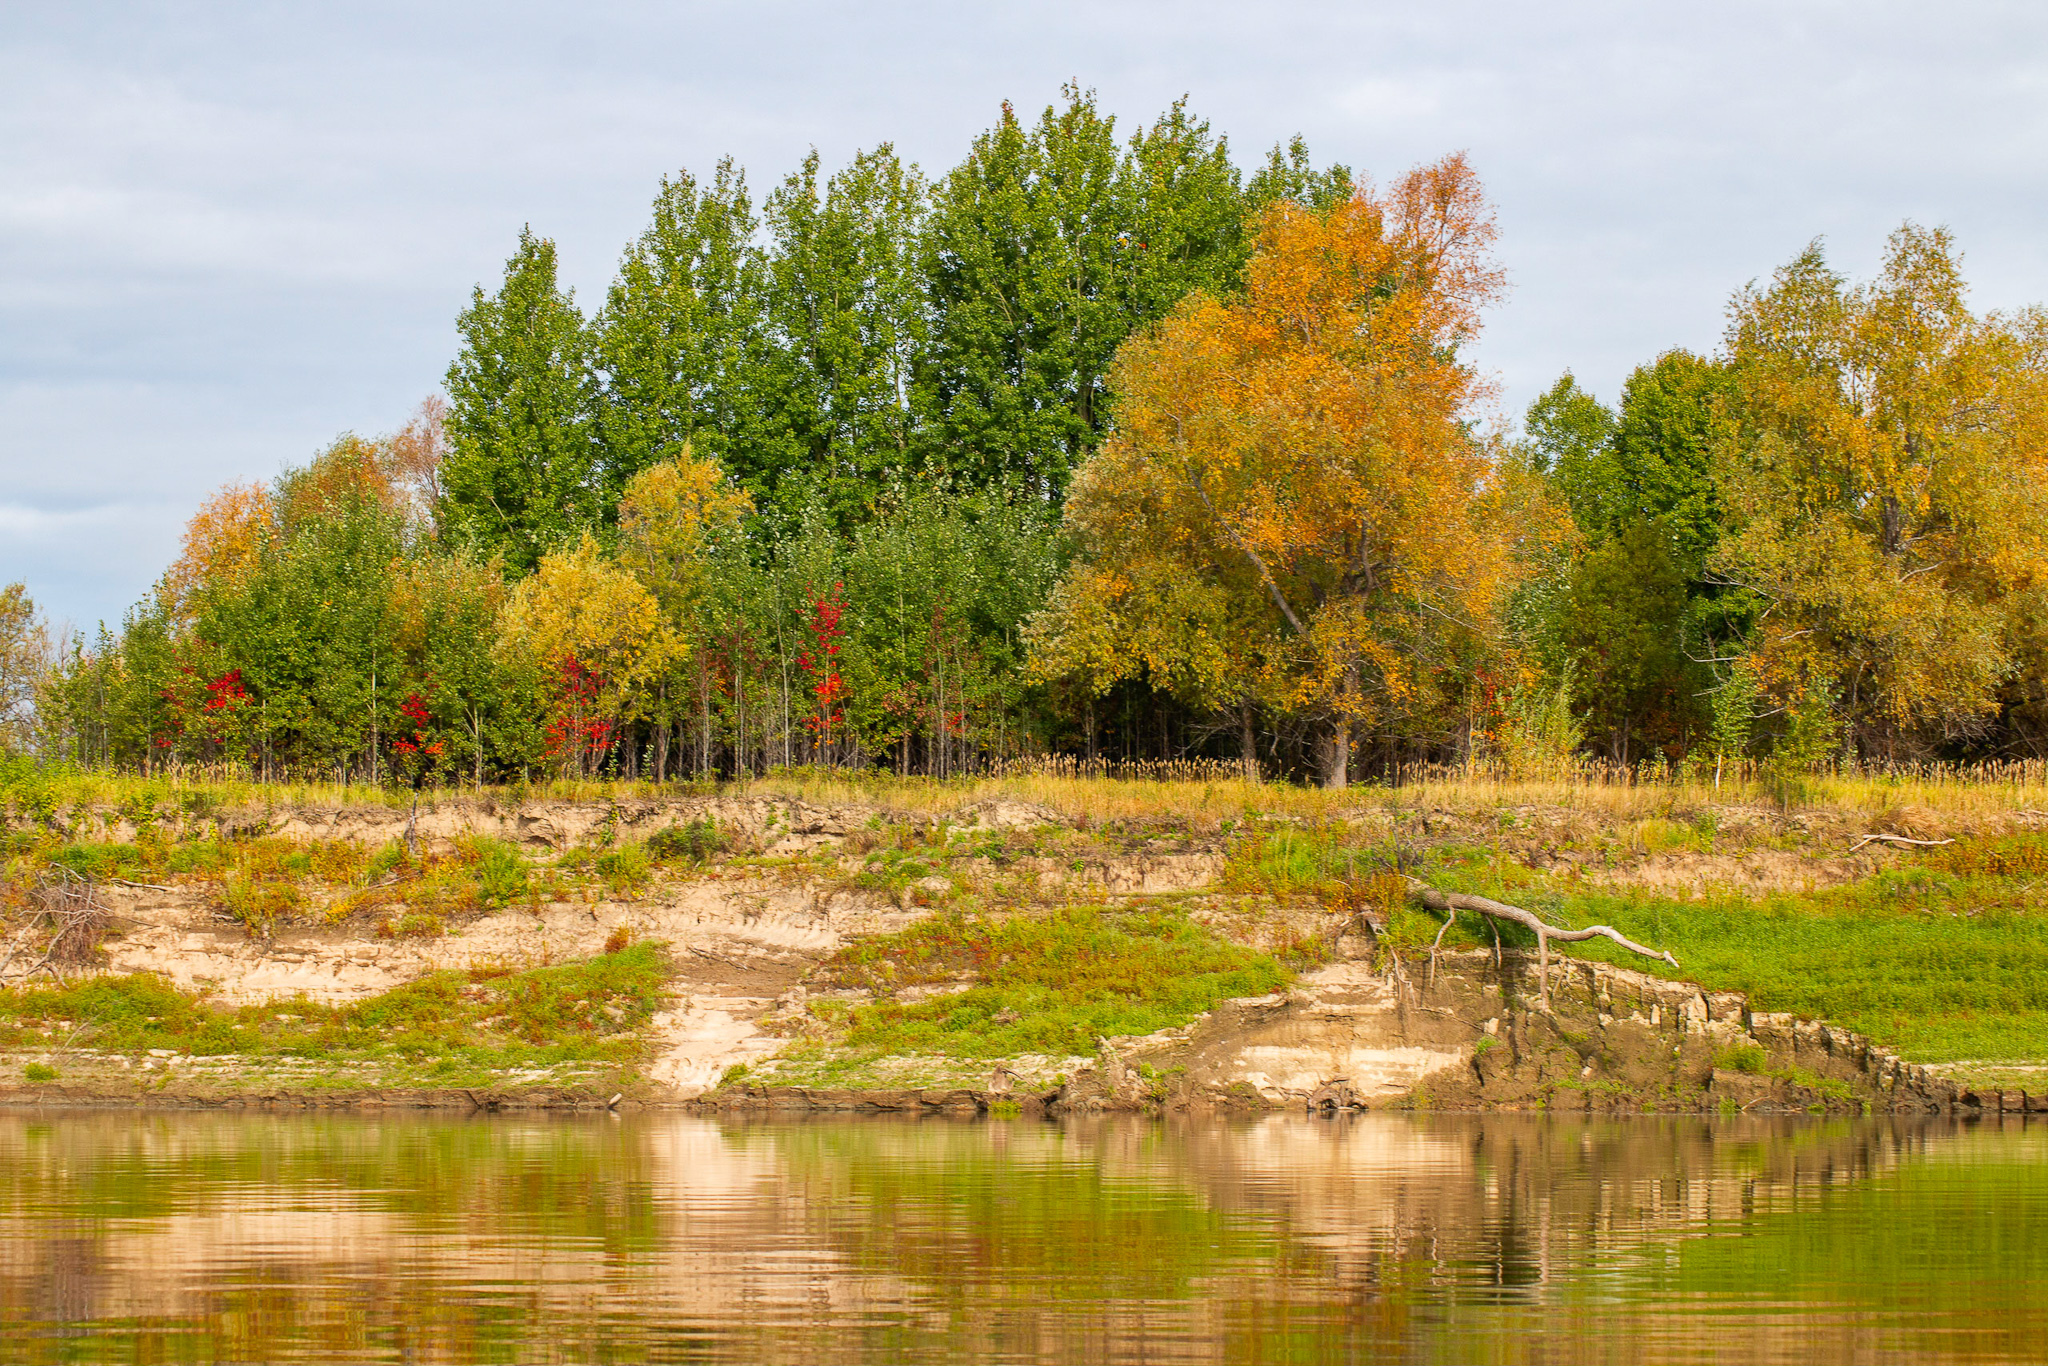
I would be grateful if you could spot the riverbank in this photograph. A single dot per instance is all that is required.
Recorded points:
(813, 944)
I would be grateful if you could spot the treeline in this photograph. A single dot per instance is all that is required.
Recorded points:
(1100, 445)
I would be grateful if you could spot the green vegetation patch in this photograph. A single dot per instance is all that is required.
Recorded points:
(1050, 984)
(448, 1022)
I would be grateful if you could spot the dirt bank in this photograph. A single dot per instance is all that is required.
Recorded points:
(1371, 1025)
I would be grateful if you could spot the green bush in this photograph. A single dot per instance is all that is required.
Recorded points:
(500, 871)
(625, 867)
(696, 842)
(38, 1072)
(1742, 1057)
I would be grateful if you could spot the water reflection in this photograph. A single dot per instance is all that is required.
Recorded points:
(1510, 1238)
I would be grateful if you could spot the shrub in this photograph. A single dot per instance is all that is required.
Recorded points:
(624, 867)
(693, 843)
(500, 871)
(37, 1072)
(1742, 1057)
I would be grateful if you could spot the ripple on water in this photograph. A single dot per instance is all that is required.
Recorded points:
(1395, 1236)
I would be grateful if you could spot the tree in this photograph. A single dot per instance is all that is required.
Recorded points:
(1885, 482)
(681, 345)
(222, 545)
(518, 478)
(309, 627)
(597, 634)
(1045, 249)
(1296, 466)
(25, 662)
(673, 517)
(846, 309)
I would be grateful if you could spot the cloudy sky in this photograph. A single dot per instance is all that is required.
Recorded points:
(229, 232)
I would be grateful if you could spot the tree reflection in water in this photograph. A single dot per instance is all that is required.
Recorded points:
(1410, 1237)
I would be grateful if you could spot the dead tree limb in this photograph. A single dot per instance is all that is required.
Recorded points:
(1896, 839)
(1448, 903)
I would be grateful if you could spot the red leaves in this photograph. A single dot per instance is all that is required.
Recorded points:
(415, 710)
(414, 755)
(821, 661)
(577, 728)
(226, 692)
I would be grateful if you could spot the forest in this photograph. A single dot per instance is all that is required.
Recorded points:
(1099, 449)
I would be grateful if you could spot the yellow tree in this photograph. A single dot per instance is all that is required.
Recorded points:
(1888, 488)
(595, 632)
(222, 546)
(669, 518)
(1293, 504)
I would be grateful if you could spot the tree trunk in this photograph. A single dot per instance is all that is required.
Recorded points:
(1337, 754)
(1248, 740)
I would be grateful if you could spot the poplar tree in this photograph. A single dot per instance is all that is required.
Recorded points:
(680, 347)
(519, 478)
(1029, 239)
(845, 303)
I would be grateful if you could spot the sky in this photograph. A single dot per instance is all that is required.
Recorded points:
(230, 232)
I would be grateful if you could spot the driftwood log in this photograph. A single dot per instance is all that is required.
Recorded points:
(1896, 839)
(1448, 904)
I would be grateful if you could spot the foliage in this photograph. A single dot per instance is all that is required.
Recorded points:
(1886, 492)
(1293, 507)
(517, 481)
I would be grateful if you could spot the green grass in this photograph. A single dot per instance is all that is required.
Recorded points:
(483, 1019)
(1049, 984)
(1939, 986)
(1943, 958)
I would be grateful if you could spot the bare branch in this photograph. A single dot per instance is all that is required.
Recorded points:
(1448, 902)
(1896, 839)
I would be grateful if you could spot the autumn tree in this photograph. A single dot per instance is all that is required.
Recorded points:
(672, 517)
(26, 658)
(596, 634)
(1292, 482)
(1887, 486)
(222, 544)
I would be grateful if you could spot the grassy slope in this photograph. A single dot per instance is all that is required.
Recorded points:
(1944, 954)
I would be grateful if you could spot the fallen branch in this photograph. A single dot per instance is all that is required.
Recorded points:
(1895, 839)
(144, 886)
(1448, 903)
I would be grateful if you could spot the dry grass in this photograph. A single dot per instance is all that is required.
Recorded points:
(1937, 792)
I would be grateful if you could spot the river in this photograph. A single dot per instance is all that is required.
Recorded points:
(170, 1237)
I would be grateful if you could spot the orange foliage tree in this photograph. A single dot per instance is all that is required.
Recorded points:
(1293, 511)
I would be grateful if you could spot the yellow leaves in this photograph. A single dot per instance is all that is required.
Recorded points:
(1888, 507)
(1291, 500)
(222, 543)
(668, 516)
(579, 605)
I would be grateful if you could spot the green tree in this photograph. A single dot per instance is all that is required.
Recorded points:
(681, 345)
(519, 477)
(846, 309)
(1045, 249)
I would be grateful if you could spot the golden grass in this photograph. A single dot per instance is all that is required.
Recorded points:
(1936, 792)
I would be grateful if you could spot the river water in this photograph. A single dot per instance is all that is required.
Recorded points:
(1385, 1237)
